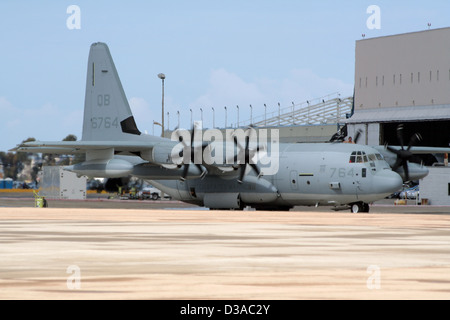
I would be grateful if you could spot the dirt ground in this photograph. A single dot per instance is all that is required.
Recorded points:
(81, 253)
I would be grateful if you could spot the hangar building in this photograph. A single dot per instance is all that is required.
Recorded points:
(405, 79)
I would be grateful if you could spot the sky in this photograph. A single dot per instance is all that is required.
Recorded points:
(213, 53)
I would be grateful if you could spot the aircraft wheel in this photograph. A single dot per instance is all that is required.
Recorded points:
(359, 207)
(366, 207)
(355, 208)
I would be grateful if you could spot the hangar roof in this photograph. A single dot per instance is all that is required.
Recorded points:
(395, 114)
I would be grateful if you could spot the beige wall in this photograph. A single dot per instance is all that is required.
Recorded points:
(411, 58)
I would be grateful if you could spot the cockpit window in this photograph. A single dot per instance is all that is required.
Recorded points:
(361, 157)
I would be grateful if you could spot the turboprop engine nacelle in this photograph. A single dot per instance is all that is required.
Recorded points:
(160, 153)
(112, 168)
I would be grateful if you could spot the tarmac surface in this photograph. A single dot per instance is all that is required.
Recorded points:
(112, 249)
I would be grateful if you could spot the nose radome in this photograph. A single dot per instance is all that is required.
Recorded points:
(388, 181)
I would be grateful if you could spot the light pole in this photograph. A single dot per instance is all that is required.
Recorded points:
(293, 108)
(265, 115)
(178, 114)
(251, 115)
(225, 116)
(214, 118)
(168, 121)
(201, 115)
(191, 117)
(279, 106)
(237, 126)
(162, 76)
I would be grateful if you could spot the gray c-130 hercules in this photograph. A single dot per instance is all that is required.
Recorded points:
(219, 173)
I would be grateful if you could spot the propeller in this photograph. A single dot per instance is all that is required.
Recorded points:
(247, 155)
(357, 136)
(191, 160)
(403, 155)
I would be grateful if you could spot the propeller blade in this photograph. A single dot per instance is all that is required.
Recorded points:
(357, 135)
(191, 155)
(406, 170)
(236, 143)
(255, 167)
(192, 136)
(242, 173)
(248, 154)
(397, 152)
(397, 164)
(185, 172)
(414, 139)
(400, 135)
(203, 172)
(403, 155)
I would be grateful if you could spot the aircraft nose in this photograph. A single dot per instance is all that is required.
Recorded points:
(388, 181)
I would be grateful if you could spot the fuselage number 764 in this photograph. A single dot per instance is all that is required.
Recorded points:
(341, 172)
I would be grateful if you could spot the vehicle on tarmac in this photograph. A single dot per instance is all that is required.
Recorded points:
(411, 193)
(149, 192)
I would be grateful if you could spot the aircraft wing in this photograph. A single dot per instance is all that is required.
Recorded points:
(417, 150)
(51, 150)
(158, 151)
(69, 147)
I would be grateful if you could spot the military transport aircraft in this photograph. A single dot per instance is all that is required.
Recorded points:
(231, 172)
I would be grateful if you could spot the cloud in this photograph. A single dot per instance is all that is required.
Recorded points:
(304, 84)
(144, 115)
(139, 107)
(229, 89)
(47, 122)
(5, 106)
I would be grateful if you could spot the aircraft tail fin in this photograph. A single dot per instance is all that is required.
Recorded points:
(107, 114)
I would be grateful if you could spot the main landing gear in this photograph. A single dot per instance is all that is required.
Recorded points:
(359, 207)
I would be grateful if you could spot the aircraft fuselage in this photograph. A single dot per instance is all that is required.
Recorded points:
(308, 174)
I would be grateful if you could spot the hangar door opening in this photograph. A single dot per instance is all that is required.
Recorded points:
(434, 134)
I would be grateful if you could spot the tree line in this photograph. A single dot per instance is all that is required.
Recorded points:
(15, 163)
